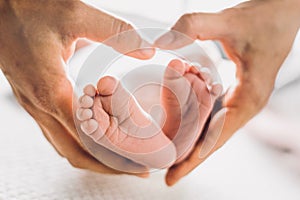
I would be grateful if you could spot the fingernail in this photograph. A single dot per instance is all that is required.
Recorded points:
(143, 175)
(165, 40)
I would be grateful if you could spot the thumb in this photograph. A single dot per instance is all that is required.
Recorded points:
(190, 27)
(100, 26)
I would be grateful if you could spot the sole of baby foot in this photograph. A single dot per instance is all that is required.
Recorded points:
(188, 96)
(113, 119)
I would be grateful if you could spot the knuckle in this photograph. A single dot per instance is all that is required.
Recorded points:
(119, 27)
(124, 26)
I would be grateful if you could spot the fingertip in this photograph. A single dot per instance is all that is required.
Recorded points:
(170, 178)
(143, 175)
(116, 33)
(173, 40)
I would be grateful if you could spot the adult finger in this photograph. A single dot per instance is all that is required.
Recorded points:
(203, 26)
(211, 143)
(100, 26)
(239, 107)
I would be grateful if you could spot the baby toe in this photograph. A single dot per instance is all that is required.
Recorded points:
(217, 89)
(206, 75)
(107, 85)
(175, 69)
(86, 101)
(194, 70)
(89, 90)
(84, 114)
(89, 126)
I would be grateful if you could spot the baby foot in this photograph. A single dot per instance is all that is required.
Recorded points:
(112, 118)
(188, 103)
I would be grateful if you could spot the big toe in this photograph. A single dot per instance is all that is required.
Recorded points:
(107, 85)
(114, 97)
(120, 103)
(175, 69)
(176, 86)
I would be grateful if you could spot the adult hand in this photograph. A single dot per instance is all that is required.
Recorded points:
(36, 40)
(257, 36)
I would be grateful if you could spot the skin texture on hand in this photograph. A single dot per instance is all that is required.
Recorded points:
(257, 36)
(36, 40)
